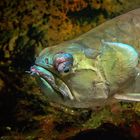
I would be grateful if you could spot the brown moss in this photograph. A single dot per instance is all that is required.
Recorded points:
(2, 84)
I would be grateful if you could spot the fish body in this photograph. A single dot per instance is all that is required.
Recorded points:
(100, 65)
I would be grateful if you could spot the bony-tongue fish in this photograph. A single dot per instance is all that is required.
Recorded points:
(98, 66)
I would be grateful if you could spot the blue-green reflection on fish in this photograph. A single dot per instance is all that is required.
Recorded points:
(92, 69)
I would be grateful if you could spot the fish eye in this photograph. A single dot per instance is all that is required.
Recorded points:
(63, 62)
(67, 70)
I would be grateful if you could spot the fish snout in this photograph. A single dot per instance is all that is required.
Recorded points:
(34, 70)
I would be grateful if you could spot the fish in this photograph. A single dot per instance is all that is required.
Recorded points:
(94, 68)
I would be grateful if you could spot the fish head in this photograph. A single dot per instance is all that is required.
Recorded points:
(78, 76)
(66, 74)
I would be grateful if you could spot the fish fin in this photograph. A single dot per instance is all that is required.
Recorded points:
(137, 81)
(133, 95)
(128, 97)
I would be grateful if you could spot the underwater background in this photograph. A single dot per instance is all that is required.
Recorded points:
(28, 26)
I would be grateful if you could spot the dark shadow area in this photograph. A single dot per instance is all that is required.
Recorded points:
(106, 131)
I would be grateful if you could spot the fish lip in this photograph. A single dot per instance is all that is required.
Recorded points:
(47, 67)
(62, 89)
(35, 71)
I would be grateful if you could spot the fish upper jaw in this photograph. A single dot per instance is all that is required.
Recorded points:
(41, 72)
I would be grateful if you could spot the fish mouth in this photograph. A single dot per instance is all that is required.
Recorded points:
(53, 80)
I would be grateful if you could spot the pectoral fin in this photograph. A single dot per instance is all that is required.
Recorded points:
(133, 94)
(128, 97)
